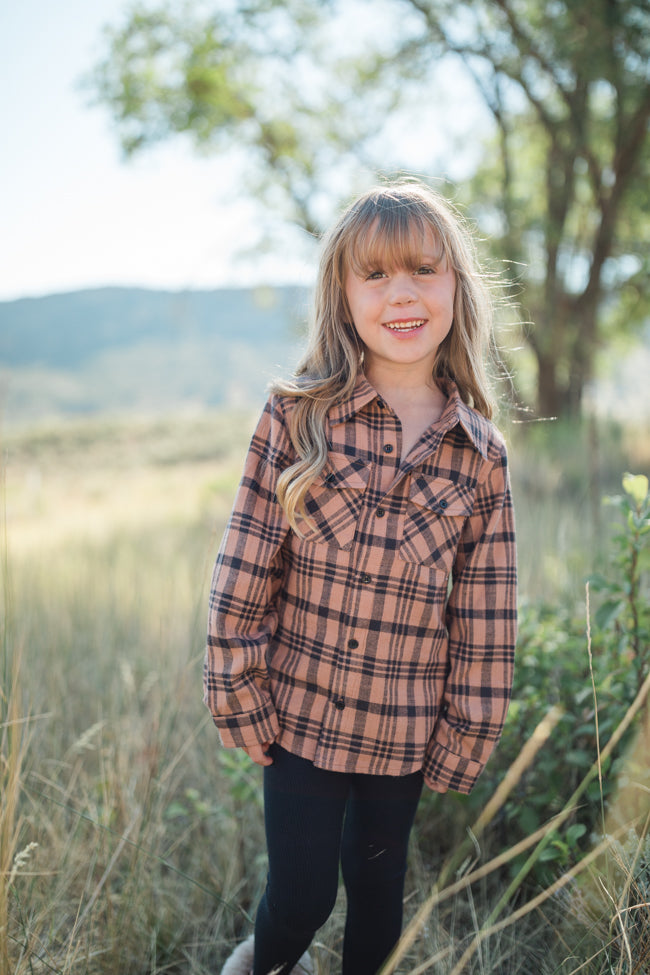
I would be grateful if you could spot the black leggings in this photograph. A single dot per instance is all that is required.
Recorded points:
(315, 818)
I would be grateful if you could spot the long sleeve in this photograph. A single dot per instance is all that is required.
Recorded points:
(247, 575)
(481, 623)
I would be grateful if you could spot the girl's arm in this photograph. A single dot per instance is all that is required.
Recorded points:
(247, 575)
(482, 624)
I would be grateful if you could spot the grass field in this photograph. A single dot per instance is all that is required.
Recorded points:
(129, 841)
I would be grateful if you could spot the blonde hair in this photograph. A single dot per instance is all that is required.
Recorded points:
(383, 228)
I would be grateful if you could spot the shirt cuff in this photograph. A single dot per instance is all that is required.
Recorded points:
(444, 769)
(248, 728)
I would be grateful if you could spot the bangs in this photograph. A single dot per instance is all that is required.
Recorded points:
(391, 235)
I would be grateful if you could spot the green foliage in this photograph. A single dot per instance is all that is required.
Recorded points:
(593, 681)
(177, 73)
(243, 779)
(561, 174)
(592, 674)
(625, 606)
(228, 78)
(563, 189)
(553, 668)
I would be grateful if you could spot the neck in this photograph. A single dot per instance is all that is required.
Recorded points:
(407, 384)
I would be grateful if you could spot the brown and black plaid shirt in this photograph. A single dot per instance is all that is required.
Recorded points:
(383, 641)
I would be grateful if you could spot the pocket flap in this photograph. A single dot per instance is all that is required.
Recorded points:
(443, 497)
(343, 472)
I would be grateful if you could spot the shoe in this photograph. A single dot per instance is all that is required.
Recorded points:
(241, 961)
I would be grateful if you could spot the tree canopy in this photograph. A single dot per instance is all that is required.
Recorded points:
(563, 186)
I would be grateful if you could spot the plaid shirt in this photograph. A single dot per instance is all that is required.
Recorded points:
(383, 641)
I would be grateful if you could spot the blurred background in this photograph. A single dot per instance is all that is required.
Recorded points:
(167, 170)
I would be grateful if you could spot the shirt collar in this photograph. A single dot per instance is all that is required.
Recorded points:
(475, 425)
(362, 394)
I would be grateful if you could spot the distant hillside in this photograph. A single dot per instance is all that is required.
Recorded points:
(132, 350)
(129, 349)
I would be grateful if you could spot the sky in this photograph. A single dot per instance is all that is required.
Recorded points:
(74, 214)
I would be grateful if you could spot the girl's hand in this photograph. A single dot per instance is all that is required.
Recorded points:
(259, 753)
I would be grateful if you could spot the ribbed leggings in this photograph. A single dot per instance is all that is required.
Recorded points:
(315, 820)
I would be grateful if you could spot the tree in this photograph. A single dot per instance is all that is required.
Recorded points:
(256, 75)
(565, 188)
(568, 86)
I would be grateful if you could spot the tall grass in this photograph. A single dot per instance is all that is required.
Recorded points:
(129, 841)
(12, 755)
(123, 787)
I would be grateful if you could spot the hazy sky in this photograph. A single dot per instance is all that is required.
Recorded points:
(73, 213)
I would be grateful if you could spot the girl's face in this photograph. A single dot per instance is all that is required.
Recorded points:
(403, 313)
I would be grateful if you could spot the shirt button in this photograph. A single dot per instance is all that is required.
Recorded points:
(380, 404)
(365, 578)
(388, 448)
(353, 644)
(339, 705)
(442, 503)
(380, 512)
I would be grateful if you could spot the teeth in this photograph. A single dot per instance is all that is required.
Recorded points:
(404, 326)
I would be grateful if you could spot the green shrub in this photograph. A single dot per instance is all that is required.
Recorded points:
(592, 671)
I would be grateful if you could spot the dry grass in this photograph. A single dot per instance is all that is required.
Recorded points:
(129, 842)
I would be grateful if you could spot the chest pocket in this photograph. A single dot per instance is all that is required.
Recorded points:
(433, 521)
(334, 501)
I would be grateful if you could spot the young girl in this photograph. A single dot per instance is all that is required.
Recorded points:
(363, 607)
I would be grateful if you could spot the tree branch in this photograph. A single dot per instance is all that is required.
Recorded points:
(627, 154)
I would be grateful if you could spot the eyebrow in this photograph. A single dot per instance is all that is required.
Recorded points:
(361, 267)
(395, 247)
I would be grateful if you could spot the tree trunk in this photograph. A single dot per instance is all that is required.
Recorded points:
(549, 396)
(557, 395)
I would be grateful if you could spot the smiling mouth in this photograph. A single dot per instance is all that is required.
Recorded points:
(405, 326)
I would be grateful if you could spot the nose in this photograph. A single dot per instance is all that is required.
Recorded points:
(402, 291)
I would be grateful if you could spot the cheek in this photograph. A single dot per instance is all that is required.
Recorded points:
(454, 293)
(452, 302)
(350, 290)
(361, 310)
(350, 306)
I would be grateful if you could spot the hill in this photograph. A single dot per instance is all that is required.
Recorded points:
(137, 350)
